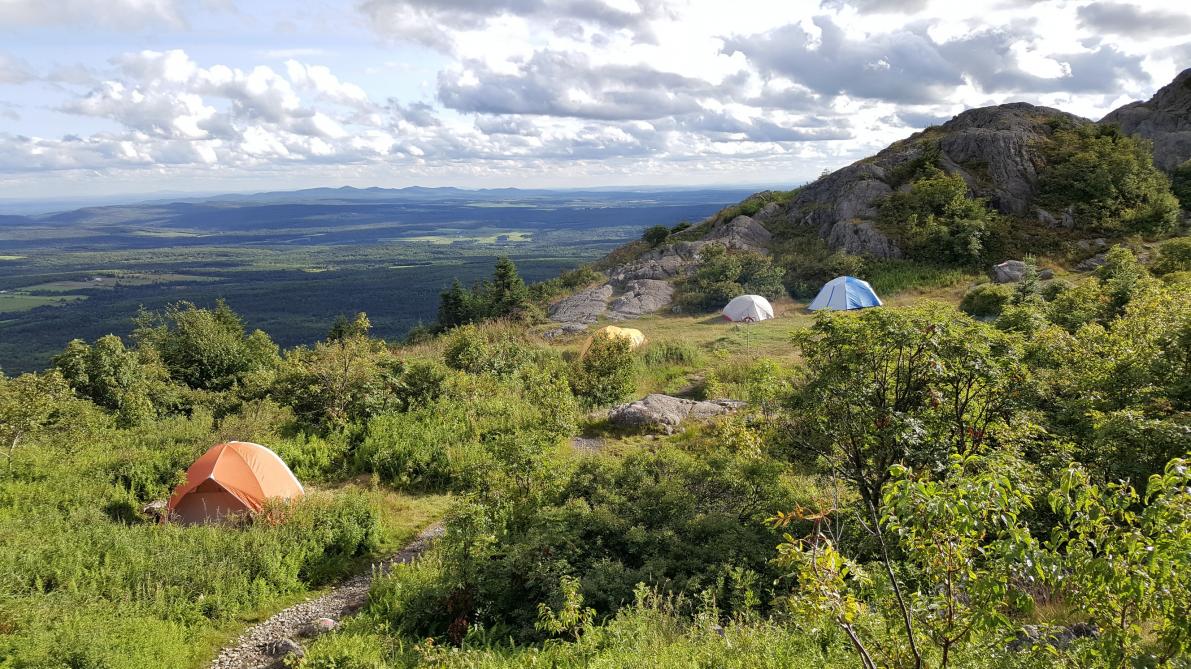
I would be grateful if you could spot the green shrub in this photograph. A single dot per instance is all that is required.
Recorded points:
(410, 450)
(936, 219)
(487, 351)
(986, 300)
(1107, 180)
(312, 457)
(346, 651)
(724, 274)
(655, 235)
(1053, 288)
(606, 373)
(1173, 256)
(1180, 184)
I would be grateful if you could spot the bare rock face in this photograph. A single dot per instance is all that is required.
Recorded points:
(1164, 119)
(644, 296)
(741, 233)
(663, 413)
(1010, 271)
(584, 307)
(862, 238)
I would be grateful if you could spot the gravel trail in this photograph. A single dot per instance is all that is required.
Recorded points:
(256, 647)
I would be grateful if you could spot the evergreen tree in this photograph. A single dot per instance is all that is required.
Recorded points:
(455, 307)
(508, 293)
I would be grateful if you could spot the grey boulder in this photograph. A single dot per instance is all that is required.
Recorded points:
(663, 413)
(1010, 271)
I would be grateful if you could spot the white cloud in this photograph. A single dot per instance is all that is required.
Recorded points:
(541, 90)
(116, 14)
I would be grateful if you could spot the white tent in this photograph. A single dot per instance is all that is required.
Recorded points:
(845, 292)
(748, 309)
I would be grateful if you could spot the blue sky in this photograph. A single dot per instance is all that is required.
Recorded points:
(141, 96)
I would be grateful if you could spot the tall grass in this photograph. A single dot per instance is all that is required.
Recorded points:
(889, 277)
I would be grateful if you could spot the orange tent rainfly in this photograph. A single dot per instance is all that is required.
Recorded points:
(231, 478)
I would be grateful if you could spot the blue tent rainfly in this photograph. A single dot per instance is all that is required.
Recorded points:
(845, 292)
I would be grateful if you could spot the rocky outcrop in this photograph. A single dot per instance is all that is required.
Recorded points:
(663, 413)
(861, 238)
(645, 286)
(741, 233)
(991, 148)
(1164, 119)
(584, 307)
(1010, 271)
(644, 296)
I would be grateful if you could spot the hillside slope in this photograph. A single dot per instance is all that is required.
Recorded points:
(1001, 153)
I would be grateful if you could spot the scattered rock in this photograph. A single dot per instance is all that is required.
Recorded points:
(1046, 274)
(642, 297)
(663, 413)
(155, 509)
(283, 648)
(1087, 245)
(768, 213)
(587, 445)
(1092, 263)
(1010, 271)
(565, 330)
(584, 307)
(1056, 637)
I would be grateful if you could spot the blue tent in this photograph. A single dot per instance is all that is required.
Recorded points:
(845, 292)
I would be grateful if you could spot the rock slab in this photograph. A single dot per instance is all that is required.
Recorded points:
(663, 413)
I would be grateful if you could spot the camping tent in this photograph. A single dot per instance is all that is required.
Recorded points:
(635, 337)
(748, 309)
(845, 292)
(231, 478)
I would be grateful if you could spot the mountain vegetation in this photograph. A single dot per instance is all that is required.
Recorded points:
(976, 475)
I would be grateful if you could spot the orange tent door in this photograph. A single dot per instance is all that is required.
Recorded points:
(209, 502)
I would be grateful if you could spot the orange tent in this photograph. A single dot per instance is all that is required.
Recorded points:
(236, 477)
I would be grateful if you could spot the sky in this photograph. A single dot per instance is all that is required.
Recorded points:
(107, 97)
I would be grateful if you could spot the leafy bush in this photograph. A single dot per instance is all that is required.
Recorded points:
(1107, 180)
(1173, 256)
(723, 274)
(496, 351)
(655, 235)
(681, 523)
(339, 382)
(207, 349)
(606, 373)
(811, 265)
(1180, 184)
(936, 219)
(986, 300)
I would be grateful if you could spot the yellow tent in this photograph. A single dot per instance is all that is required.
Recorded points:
(635, 337)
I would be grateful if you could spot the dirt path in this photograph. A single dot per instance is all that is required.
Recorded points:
(252, 650)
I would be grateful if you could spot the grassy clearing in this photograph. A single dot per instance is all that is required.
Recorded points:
(16, 302)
